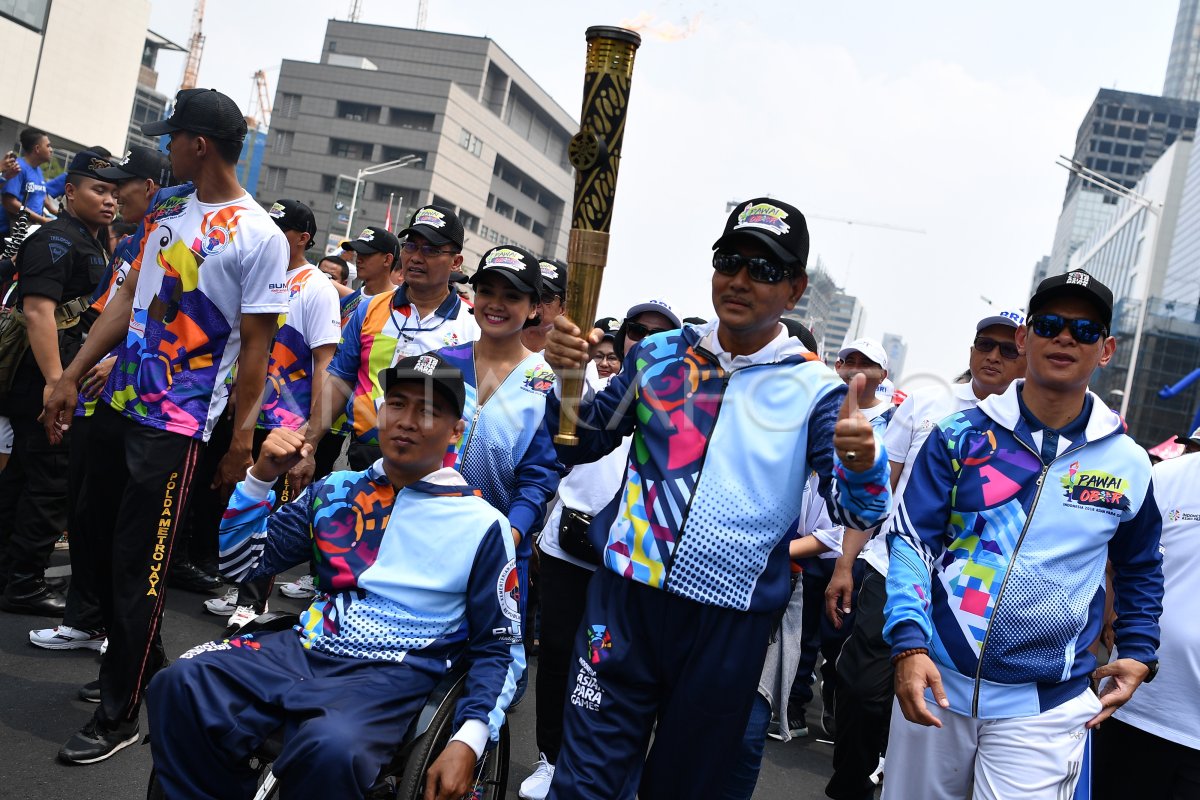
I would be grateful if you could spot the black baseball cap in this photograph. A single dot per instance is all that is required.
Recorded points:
(374, 240)
(774, 223)
(519, 267)
(1077, 283)
(554, 276)
(437, 224)
(610, 326)
(432, 370)
(292, 215)
(206, 112)
(88, 163)
(695, 321)
(141, 162)
(796, 330)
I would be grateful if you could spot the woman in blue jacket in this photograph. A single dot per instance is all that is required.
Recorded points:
(504, 450)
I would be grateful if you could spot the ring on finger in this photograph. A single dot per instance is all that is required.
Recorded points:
(851, 455)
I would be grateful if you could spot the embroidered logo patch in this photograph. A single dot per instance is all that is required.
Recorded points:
(1095, 489)
(277, 211)
(503, 257)
(426, 364)
(539, 379)
(1078, 278)
(508, 592)
(764, 216)
(367, 235)
(549, 270)
(430, 217)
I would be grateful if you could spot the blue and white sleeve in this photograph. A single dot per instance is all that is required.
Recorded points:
(253, 542)
(495, 655)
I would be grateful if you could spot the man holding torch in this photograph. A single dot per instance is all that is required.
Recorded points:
(729, 419)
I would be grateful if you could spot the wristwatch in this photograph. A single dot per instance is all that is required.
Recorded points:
(1153, 665)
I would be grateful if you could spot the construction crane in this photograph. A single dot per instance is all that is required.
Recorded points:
(260, 103)
(422, 12)
(191, 71)
(355, 11)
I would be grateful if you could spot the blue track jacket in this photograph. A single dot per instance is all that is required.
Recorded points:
(998, 560)
(716, 473)
(425, 575)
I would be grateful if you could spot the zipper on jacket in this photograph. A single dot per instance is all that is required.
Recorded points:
(462, 455)
(1024, 529)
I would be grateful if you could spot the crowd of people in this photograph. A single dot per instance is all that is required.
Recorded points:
(972, 579)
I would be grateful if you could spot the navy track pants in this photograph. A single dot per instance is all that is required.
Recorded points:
(648, 661)
(342, 718)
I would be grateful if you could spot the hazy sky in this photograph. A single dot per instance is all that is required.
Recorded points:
(940, 115)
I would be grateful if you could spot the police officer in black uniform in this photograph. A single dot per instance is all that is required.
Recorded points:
(58, 268)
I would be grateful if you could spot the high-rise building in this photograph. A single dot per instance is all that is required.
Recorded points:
(489, 141)
(1121, 137)
(149, 104)
(846, 324)
(50, 50)
(816, 304)
(1041, 271)
(1183, 67)
(896, 349)
(1136, 256)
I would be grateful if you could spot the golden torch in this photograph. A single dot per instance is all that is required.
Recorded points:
(595, 152)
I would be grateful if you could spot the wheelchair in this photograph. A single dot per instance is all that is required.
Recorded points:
(402, 778)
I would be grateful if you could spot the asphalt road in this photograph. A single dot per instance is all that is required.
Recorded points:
(39, 711)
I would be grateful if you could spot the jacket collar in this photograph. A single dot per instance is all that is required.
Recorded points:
(444, 482)
(1006, 411)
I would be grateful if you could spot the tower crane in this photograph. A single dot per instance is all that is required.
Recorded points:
(355, 10)
(191, 70)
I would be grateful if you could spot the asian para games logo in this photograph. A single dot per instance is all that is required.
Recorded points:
(599, 643)
(508, 591)
(764, 216)
(1095, 488)
(171, 207)
(539, 379)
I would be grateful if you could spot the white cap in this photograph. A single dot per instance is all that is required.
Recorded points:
(1013, 319)
(869, 348)
(657, 306)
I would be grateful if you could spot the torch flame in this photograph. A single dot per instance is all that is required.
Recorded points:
(647, 24)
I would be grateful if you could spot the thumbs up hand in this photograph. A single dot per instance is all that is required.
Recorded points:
(853, 437)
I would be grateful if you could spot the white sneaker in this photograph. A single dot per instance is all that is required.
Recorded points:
(300, 589)
(240, 616)
(104, 646)
(877, 775)
(224, 605)
(64, 637)
(537, 785)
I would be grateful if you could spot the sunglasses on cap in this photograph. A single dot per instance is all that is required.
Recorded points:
(1008, 350)
(1085, 331)
(760, 270)
(637, 331)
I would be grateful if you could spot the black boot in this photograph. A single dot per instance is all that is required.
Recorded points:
(29, 594)
(187, 576)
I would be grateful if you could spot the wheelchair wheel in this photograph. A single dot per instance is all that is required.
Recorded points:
(491, 772)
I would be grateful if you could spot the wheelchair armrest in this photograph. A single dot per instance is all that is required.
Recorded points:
(270, 621)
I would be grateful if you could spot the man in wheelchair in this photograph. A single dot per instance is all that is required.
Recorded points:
(413, 574)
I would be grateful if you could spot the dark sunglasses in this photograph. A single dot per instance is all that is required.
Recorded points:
(637, 331)
(427, 250)
(760, 269)
(1007, 349)
(1085, 331)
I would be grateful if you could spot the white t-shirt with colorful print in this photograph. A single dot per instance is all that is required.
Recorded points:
(313, 319)
(201, 267)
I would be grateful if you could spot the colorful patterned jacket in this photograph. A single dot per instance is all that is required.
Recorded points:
(998, 560)
(716, 473)
(425, 576)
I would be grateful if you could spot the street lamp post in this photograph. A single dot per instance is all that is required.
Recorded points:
(406, 161)
(1108, 185)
